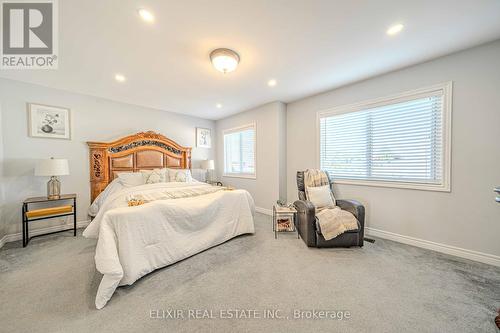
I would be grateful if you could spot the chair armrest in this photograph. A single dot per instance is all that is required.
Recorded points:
(306, 221)
(352, 206)
(358, 210)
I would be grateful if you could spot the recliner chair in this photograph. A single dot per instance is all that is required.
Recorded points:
(307, 225)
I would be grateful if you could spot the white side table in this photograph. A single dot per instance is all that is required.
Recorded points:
(284, 220)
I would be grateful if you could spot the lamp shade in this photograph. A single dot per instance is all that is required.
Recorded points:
(207, 164)
(52, 167)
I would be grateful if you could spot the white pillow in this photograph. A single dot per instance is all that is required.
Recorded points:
(154, 176)
(180, 175)
(320, 196)
(131, 178)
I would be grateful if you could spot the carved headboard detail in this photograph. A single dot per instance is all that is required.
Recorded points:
(145, 150)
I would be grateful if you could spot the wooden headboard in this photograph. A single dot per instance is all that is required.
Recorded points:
(141, 151)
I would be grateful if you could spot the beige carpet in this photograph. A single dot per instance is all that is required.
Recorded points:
(385, 287)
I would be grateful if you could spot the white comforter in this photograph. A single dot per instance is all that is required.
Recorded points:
(134, 241)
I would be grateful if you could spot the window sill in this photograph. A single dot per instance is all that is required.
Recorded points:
(403, 185)
(240, 176)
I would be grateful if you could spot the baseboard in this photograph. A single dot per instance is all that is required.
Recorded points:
(443, 248)
(264, 211)
(18, 236)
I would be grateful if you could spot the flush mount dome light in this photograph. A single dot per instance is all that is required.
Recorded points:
(224, 60)
(395, 29)
(272, 83)
(120, 77)
(146, 15)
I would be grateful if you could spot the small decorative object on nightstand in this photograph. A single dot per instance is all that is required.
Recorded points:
(29, 216)
(283, 219)
(214, 182)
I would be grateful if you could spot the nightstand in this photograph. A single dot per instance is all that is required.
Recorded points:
(30, 216)
(284, 220)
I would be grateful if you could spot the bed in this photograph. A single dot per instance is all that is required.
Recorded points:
(170, 220)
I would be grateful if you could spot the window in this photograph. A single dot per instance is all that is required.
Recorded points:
(239, 152)
(401, 141)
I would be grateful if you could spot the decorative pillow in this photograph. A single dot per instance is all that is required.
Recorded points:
(180, 175)
(320, 196)
(171, 174)
(131, 178)
(154, 176)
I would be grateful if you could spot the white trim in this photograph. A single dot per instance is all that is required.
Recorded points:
(485, 258)
(238, 128)
(393, 184)
(234, 130)
(264, 211)
(447, 90)
(18, 236)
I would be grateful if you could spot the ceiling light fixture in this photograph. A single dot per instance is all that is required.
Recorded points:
(395, 29)
(224, 60)
(272, 83)
(218, 106)
(146, 15)
(120, 78)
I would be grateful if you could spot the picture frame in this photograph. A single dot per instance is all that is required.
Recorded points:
(48, 121)
(203, 137)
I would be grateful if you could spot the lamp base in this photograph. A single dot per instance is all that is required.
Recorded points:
(53, 188)
(210, 176)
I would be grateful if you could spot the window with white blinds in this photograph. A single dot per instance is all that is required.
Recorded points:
(402, 141)
(239, 151)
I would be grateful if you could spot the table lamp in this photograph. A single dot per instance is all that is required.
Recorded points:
(209, 166)
(52, 168)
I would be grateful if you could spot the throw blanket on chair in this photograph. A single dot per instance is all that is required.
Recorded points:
(333, 221)
(315, 177)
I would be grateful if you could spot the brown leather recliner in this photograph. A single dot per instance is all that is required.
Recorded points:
(307, 225)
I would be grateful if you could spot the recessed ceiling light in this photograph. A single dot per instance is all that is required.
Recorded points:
(120, 77)
(272, 83)
(224, 60)
(218, 105)
(146, 15)
(395, 29)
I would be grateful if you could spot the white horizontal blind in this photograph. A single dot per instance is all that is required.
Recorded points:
(239, 151)
(395, 142)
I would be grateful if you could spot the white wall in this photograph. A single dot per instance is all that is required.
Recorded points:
(282, 152)
(269, 119)
(93, 119)
(468, 217)
(2, 197)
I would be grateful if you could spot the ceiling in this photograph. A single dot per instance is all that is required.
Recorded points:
(308, 46)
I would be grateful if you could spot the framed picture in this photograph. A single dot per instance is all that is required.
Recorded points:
(203, 137)
(47, 121)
